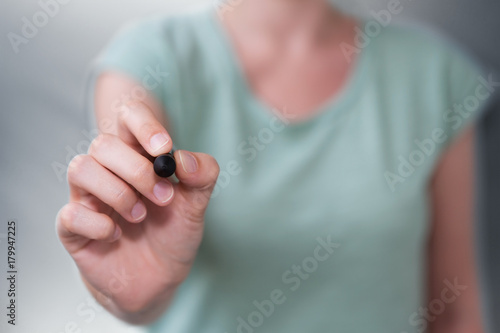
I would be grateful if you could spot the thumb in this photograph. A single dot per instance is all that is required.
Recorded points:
(197, 174)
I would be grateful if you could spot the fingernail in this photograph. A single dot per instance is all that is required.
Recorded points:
(163, 191)
(138, 211)
(188, 162)
(117, 234)
(158, 141)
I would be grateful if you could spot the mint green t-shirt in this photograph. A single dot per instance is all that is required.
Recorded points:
(318, 226)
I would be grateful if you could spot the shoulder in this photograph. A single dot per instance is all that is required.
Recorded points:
(426, 86)
(161, 29)
(426, 54)
(159, 43)
(177, 42)
(431, 66)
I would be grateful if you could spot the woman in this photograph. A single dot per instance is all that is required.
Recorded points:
(344, 201)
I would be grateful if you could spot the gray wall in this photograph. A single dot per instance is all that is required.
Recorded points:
(42, 117)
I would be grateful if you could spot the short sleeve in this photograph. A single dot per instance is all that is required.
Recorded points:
(469, 93)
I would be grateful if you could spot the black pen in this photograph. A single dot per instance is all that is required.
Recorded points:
(164, 165)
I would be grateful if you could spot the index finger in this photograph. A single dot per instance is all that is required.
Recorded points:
(138, 123)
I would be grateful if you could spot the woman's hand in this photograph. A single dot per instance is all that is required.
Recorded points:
(132, 234)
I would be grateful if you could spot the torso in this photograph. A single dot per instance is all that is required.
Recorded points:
(317, 179)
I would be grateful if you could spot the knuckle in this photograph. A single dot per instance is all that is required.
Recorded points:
(125, 109)
(102, 142)
(142, 171)
(135, 103)
(146, 129)
(128, 108)
(200, 199)
(67, 214)
(194, 213)
(121, 196)
(77, 166)
(104, 230)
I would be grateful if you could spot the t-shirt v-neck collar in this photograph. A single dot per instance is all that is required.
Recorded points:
(334, 106)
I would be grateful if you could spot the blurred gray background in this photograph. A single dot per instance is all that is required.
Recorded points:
(43, 121)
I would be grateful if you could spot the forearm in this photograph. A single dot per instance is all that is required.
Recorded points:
(456, 325)
(451, 244)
